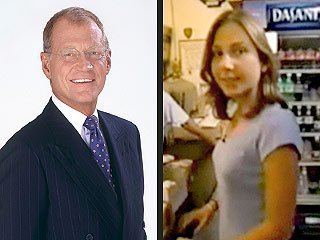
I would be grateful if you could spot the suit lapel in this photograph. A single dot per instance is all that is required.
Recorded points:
(74, 155)
(116, 143)
(112, 136)
(125, 156)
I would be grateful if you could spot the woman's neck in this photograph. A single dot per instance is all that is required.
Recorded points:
(245, 105)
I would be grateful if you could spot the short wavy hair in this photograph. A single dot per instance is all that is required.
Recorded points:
(74, 15)
(267, 89)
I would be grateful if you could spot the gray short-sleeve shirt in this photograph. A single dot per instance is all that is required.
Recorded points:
(238, 165)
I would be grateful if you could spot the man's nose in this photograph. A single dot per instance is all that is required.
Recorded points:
(84, 62)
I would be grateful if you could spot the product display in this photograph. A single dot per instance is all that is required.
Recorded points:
(299, 58)
(299, 84)
(298, 46)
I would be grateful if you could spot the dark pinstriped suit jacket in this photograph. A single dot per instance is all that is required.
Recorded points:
(51, 188)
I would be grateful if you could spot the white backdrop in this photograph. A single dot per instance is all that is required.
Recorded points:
(130, 90)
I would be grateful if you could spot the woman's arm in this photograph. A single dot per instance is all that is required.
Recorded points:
(209, 135)
(280, 168)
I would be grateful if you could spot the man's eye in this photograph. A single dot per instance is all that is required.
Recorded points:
(93, 53)
(70, 54)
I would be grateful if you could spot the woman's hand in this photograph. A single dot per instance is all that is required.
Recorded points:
(197, 218)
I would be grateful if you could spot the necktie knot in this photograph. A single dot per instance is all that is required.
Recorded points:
(91, 123)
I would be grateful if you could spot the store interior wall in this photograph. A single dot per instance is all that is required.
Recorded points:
(190, 13)
(181, 14)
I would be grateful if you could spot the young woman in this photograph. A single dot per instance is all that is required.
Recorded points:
(256, 160)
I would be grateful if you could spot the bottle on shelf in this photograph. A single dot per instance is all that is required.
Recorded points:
(307, 150)
(316, 149)
(303, 182)
(306, 94)
(299, 118)
(294, 109)
(300, 57)
(314, 94)
(304, 110)
(290, 54)
(314, 110)
(298, 88)
(314, 115)
(303, 125)
(310, 57)
(308, 120)
(317, 120)
(289, 88)
(313, 177)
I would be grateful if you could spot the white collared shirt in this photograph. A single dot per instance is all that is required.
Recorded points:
(75, 117)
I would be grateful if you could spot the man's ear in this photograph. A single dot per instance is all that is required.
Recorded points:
(45, 64)
(108, 61)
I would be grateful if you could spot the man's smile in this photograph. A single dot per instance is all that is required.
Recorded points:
(82, 80)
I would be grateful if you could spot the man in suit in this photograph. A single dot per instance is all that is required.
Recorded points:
(74, 172)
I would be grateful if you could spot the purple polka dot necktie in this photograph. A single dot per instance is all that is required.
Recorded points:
(98, 147)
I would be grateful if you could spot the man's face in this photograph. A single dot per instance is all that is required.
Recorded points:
(77, 83)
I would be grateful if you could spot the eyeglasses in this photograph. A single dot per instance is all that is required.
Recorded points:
(72, 55)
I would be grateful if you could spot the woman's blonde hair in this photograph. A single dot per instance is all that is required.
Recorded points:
(267, 89)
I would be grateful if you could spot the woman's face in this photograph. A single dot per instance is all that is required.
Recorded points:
(235, 65)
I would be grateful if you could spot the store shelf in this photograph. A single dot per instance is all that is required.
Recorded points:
(309, 163)
(292, 42)
(300, 70)
(310, 134)
(303, 103)
(308, 199)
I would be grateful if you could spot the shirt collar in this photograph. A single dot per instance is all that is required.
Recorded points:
(75, 117)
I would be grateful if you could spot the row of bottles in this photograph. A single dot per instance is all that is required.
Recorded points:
(308, 117)
(309, 180)
(299, 87)
(300, 58)
(289, 89)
